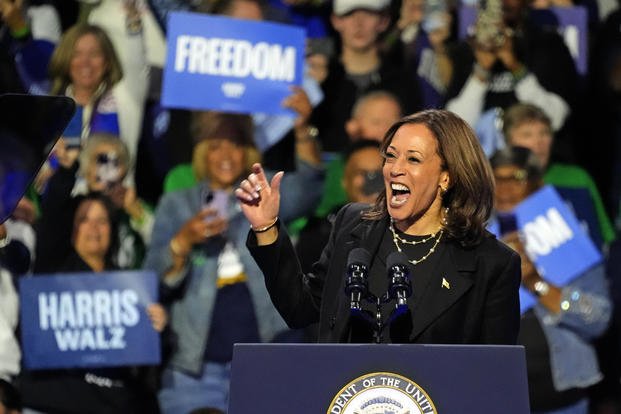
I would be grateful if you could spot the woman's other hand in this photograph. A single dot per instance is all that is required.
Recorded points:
(65, 154)
(158, 316)
(529, 272)
(299, 102)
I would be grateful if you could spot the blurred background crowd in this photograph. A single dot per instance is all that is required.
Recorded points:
(135, 185)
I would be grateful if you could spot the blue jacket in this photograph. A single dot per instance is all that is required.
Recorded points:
(191, 313)
(585, 312)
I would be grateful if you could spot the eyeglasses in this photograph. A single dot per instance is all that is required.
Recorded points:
(107, 158)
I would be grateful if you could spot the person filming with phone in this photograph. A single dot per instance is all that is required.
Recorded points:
(216, 291)
(101, 166)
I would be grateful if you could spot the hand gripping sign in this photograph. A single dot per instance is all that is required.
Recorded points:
(554, 240)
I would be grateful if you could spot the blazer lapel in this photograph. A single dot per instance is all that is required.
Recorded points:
(442, 288)
(434, 293)
(368, 235)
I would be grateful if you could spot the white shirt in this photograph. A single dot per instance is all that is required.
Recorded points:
(10, 353)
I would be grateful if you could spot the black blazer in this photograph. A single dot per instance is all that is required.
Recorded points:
(481, 305)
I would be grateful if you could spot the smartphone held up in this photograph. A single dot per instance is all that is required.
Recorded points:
(217, 200)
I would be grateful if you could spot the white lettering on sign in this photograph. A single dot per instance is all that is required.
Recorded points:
(546, 233)
(84, 320)
(233, 89)
(235, 58)
(571, 36)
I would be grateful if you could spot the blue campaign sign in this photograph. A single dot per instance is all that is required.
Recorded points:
(226, 64)
(88, 320)
(572, 25)
(570, 22)
(554, 240)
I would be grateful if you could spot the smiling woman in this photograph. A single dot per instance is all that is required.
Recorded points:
(89, 242)
(90, 249)
(217, 291)
(416, 179)
(549, 338)
(108, 85)
(91, 233)
(438, 196)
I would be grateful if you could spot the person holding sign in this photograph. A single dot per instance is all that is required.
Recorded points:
(438, 195)
(557, 332)
(96, 390)
(528, 126)
(216, 291)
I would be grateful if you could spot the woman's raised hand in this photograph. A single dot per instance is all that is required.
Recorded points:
(260, 199)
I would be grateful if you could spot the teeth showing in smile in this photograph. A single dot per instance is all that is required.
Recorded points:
(400, 194)
(399, 187)
(226, 165)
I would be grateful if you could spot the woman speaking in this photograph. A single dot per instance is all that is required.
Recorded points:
(438, 196)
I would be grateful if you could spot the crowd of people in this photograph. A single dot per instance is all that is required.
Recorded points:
(421, 113)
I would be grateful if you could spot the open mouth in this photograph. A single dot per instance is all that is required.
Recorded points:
(225, 165)
(400, 194)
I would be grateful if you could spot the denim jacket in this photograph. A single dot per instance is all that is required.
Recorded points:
(585, 312)
(191, 313)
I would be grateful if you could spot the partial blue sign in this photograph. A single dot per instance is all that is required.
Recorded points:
(88, 320)
(554, 240)
(226, 64)
(571, 23)
(270, 129)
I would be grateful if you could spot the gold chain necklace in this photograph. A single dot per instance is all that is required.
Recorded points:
(396, 239)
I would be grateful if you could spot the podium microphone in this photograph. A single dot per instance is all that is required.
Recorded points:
(356, 283)
(399, 284)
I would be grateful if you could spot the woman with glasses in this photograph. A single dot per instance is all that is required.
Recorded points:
(558, 331)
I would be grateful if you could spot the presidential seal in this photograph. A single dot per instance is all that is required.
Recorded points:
(382, 393)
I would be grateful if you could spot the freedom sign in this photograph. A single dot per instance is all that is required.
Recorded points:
(554, 241)
(88, 320)
(226, 64)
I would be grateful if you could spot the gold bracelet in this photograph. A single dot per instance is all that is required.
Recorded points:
(264, 228)
(175, 248)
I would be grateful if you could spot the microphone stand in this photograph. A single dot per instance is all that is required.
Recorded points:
(379, 324)
(399, 289)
